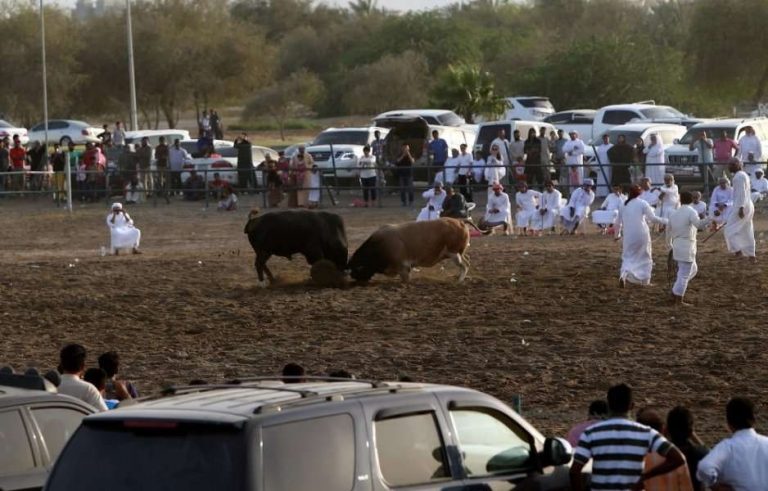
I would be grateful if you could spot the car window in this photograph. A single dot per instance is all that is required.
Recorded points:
(57, 125)
(410, 450)
(57, 425)
(619, 116)
(348, 137)
(431, 120)
(490, 443)
(450, 119)
(583, 119)
(15, 449)
(39, 127)
(559, 118)
(316, 454)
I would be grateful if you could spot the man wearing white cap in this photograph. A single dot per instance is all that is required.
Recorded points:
(435, 198)
(527, 201)
(577, 208)
(759, 186)
(123, 234)
(549, 209)
(574, 158)
(498, 212)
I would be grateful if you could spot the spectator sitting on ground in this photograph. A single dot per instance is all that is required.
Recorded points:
(598, 410)
(229, 200)
(680, 433)
(193, 187)
(293, 373)
(217, 185)
(116, 389)
(72, 363)
(98, 378)
(676, 480)
(134, 191)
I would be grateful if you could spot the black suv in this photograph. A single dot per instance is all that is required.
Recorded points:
(316, 435)
(35, 424)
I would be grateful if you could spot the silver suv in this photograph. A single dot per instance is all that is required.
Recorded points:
(321, 435)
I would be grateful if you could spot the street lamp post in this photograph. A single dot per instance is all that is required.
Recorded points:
(45, 75)
(131, 72)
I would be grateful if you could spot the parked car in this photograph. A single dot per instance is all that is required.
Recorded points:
(579, 120)
(35, 424)
(9, 130)
(226, 162)
(135, 137)
(614, 115)
(684, 162)
(487, 132)
(529, 108)
(354, 435)
(64, 131)
(347, 145)
(415, 128)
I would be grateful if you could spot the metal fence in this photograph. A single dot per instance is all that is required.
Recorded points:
(159, 186)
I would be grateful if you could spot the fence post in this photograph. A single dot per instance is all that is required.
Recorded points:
(207, 195)
(106, 183)
(335, 176)
(69, 181)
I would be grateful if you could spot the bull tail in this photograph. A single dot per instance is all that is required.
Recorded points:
(471, 224)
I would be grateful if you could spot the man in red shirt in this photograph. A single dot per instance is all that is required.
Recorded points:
(18, 158)
(723, 149)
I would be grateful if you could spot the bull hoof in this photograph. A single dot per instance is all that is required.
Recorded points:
(262, 284)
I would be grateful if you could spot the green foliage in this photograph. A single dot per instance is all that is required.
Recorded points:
(287, 99)
(470, 92)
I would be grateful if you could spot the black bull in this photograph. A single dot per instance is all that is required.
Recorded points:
(314, 234)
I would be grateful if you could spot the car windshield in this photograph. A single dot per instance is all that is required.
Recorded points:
(342, 138)
(188, 457)
(537, 102)
(450, 119)
(661, 112)
(713, 133)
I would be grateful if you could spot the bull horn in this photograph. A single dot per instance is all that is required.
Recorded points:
(472, 224)
(253, 213)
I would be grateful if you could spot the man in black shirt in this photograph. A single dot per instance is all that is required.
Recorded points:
(245, 174)
(58, 161)
(5, 164)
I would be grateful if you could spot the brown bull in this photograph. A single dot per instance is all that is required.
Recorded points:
(395, 249)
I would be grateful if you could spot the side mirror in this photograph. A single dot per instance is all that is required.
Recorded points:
(557, 451)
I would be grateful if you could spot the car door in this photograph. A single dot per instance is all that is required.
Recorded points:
(497, 452)
(409, 449)
(55, 424)
(21, 465)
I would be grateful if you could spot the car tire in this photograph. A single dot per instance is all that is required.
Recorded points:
(65, 141)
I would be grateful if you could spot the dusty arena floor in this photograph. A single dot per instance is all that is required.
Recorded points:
(539, 317)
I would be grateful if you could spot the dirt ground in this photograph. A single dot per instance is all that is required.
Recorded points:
(539, 317)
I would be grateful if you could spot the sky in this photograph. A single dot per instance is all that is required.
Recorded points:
(387, 4)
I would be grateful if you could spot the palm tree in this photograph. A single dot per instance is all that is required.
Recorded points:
(363, 8)
(470, 92)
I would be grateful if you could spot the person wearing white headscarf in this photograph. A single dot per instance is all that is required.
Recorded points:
(574, 158)
(759, 186)
(669, 198)
(577, 208)
(655, 160)
(494, 169)
(739, 229)
(435, 198)
(632, 225)
(498, 211)
(123, 235)
(721, 201)
(609, 211)
(750, 151)
(549, 209)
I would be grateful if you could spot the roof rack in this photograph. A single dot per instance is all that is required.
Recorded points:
(311, 378)
(29, 382)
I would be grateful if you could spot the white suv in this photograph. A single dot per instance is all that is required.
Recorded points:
(528, 108)
(609, 116)
(340, 148)
(683, 162)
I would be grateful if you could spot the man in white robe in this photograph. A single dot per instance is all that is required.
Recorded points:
(699, 205)
(527, 201)
(606, 216)
(669, 197)
(435, 198)
(648, 194)
(464, 173)
(577, 208)
(503, 144)
(750, 151)
(721, 201)
(478, 168)
(451, 168)
(682, 230)
(549, 209)
(759, 186)
(574, 159)
(494, 169)
(498, 212)
(123, 235)
(516, 147)
(739, 229)
(603, 163)
(655, 160)
(632, 226)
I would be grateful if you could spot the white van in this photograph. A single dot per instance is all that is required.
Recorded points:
(528, 108)
(415, 126)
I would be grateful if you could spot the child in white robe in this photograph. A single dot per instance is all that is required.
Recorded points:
(314, 188)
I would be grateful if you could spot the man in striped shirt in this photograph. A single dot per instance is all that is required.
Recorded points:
(617, 447)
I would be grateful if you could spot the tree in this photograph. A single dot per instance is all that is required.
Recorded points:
(286, 99)
(363, 8)
(469, 91)
(393, 81)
